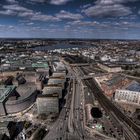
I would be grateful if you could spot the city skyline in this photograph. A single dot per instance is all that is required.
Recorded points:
(102, 19)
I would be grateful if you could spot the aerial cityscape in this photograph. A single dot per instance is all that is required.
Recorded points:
(70, 70)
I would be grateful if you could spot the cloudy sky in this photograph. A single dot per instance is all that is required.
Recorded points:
(109, 19)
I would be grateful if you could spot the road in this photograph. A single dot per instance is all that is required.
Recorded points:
(59, 128)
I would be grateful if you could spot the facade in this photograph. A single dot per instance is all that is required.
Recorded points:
(39, 84)
(129, 94)
(48, 104)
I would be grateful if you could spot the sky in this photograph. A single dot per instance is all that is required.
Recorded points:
(92, 19)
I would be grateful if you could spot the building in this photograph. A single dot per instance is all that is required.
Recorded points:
(48, 104)
(8, 128)
(40, 65)
(114, 82)
(59, 67)
(51, 89)
(5, 93)
(129, 96)
(15, 100)
(109, 67)
(28, 94)
(39, 84)
(57, 80)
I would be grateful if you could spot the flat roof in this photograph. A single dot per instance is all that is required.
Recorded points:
(5, 92)
(26, 89)
(40, 65)
(114, 80)
(135, 86)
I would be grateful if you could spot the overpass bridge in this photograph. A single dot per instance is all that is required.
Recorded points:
(79, 64)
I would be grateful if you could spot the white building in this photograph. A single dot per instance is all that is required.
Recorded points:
(130, 94)
(105, 58)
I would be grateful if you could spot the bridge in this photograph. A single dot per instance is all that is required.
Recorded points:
(79, 64)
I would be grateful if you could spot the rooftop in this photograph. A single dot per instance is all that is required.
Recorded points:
(114, 80)
(134, 86)
(26, 89)
(5, 92)
(40, 65)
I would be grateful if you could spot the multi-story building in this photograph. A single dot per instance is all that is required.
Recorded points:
(109, 86)
(50, 89)
(48, 104)
(109, 67)
(129, 95)
(8, 128)
(57, 80)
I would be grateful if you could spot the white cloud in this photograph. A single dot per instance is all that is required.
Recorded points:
(30, 23)
(113, 1)
(83, 23)
(59, 2)
(41, 17)
(15, 9)
(67, 15)
(8, 12)
(108, 8)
